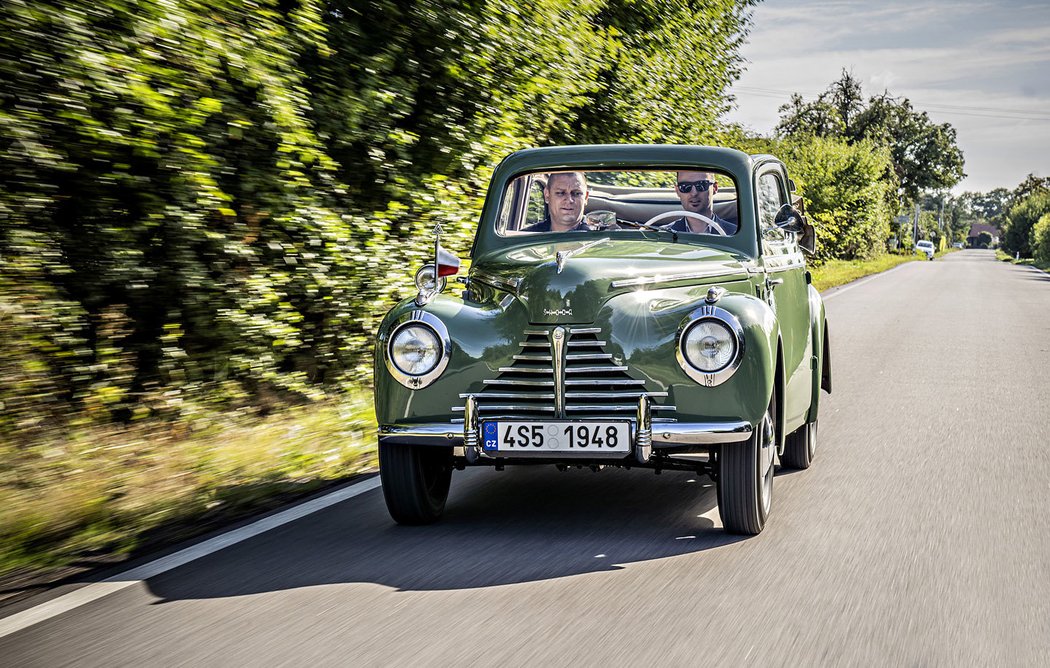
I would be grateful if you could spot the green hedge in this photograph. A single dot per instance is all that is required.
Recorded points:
(206, 204)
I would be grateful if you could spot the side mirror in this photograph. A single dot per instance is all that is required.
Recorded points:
(790, 219)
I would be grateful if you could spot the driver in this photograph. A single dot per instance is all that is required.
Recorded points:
(566, 196)
(697, 191)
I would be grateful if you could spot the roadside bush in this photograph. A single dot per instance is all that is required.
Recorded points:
(1041, 239)
(206, 204)
(1022, 217)
(847, 190)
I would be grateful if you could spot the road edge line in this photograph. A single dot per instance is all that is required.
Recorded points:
(861, 281)
(96, 590)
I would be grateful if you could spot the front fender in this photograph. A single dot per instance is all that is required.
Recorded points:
(483, 337)
(646, 335)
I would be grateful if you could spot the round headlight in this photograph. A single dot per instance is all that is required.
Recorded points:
(709, 345)
(415, 349)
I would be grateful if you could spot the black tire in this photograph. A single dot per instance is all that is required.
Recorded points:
(415, 479)
(745, 479)
(800, 447)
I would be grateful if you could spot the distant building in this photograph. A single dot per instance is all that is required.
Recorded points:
(975, 231)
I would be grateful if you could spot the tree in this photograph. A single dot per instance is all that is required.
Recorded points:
(925, 154)
(844, 191)
(1041, 239)
(1031, 185)
(1021, 219)
(990, 206)
(664, 75)
(819, 118)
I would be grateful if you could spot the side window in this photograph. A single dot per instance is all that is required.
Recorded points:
(537, 208)
(770, 199)
(507, 208)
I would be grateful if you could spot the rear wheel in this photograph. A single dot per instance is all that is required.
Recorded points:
(415, 479)
(745, 478)
(800, 446)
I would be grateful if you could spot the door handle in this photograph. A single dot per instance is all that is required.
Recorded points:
(773, 282)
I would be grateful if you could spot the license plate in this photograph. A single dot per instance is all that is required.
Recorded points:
(556, 438)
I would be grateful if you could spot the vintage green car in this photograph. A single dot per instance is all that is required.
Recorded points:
(626, 305)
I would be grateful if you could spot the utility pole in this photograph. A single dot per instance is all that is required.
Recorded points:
(915, 226)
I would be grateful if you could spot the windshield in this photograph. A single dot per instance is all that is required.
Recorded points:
(697, 201)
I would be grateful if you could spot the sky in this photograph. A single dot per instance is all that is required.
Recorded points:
(983, 67)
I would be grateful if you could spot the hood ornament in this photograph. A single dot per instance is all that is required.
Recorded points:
(561, 257)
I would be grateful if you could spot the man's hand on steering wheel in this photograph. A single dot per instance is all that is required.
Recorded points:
(712, 226)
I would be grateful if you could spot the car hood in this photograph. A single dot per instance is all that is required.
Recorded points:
(569, 281)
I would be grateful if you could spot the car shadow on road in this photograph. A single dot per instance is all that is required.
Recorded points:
(521, 525)
(1038, 277)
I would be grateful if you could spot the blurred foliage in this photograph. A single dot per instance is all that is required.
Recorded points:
(209, 204)
(925, 156)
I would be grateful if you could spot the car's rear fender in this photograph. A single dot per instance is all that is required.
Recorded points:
(820, 363)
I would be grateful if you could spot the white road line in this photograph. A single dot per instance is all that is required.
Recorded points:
(1035, 269)
(97, 590)
(863, 281)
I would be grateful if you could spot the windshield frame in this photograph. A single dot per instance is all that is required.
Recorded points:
(735, 164)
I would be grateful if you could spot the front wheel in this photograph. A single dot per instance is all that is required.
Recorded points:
(415, 479)
(800, 447)
(745, 478)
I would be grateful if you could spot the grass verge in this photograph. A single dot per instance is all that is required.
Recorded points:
(1027, 261)
(94, 496)
(839, 272)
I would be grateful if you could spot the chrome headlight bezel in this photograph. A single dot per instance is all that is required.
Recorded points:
(434, 324)
(723, 317)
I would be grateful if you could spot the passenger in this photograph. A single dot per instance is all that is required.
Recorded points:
(566, 196)
(697, 191)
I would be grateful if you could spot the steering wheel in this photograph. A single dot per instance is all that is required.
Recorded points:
(714, 227)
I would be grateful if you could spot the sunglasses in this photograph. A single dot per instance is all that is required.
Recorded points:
(687, 186)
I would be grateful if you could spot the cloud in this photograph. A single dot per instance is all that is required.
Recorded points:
(982, 68)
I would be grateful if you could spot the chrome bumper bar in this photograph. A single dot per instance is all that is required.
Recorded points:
(466, 437)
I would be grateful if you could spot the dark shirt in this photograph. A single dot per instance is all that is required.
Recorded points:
(682, 225)
(545, 226)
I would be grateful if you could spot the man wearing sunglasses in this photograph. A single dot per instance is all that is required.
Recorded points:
(697, 191)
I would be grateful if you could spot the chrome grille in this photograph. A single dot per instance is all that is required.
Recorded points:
(594, 385)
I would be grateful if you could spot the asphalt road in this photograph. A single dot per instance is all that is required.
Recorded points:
(920, 536)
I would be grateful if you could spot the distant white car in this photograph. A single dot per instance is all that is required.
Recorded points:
(925, 247)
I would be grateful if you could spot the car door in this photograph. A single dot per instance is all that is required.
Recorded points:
(786, 290)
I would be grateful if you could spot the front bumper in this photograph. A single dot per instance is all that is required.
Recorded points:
(646, 437)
